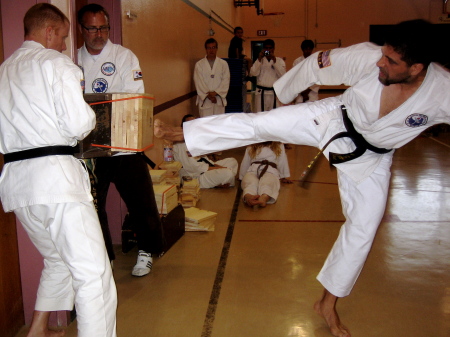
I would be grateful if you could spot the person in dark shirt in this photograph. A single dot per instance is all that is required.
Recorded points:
(235, 50)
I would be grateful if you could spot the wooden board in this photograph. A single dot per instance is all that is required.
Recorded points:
(124, 122)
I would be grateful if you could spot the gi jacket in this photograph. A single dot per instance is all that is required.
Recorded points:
(115, 69)
(42, 105)
(216, 79)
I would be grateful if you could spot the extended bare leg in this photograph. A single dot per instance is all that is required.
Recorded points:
(326, 307)
(39, 326)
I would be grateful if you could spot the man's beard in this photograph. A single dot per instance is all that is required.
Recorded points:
(98, 43)
(402, 78)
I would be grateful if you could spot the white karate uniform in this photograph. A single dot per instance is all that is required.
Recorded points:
(313, 95)
(115, 69)
(51, 195)
(209, 79)
(267, 72)
(194, 168)
(315, 123)
(269, 183)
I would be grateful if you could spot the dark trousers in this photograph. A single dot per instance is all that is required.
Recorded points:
(133, 182)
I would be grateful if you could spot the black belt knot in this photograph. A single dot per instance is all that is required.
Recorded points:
(361, 144)
(263, 166)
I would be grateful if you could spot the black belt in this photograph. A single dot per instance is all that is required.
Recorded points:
(361, 144)
(262, 96)
(265, 165)
(203, 103)
(361, 147)
(206, 161)
(39, 152)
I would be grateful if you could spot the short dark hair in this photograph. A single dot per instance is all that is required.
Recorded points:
(409, 39)
(269, 42)
(211, 40)
(42, 15)
(307, 44)
(91, 8)
(237, 28)
(185, 117)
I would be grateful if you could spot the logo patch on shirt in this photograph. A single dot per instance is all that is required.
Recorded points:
(99, 85)
(137, 75)
(82, 83)
(324, 59)
(108, 68)
(416, 120)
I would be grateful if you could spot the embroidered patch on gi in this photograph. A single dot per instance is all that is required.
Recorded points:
(416, 120)
(108, 68)
(137, 75)
(82, 83)
(99, 85)
(324, 59)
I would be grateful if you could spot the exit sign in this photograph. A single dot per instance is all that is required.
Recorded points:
(261, 32)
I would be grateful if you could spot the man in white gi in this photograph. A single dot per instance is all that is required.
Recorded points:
(267, 68)
(209, 173)
(311, 94)
(110, 67)
(212, 80)
(395, 93)
(42, 116)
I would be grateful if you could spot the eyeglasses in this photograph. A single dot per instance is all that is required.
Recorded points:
(94, 30)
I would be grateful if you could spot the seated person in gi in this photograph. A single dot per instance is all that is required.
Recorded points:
(263, 167)
(209, 173)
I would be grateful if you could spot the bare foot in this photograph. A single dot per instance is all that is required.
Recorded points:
(46, 333)
(263, 199)
(251, 200)
(223, 186)
(39, 326)
(326, 307)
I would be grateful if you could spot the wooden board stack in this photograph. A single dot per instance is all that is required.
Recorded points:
(199, 219)
(166, 197)
(124, 124)
(172, 175)
(190, 193)
(158, 176)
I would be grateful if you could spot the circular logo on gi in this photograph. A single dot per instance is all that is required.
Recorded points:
(108, 68)
(99, 85)
(416, 120)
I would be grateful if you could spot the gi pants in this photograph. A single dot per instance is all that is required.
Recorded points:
(213, 178)
(363, 206)
(76, 267)
(132, 179)
(268, 184)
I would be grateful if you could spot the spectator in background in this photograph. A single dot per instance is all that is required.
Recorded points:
(236, 49)
(209, 173)
(212, 80)
(263, 167)
(267, 69)
(312, 93)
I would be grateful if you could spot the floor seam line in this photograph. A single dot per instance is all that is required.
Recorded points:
(215, 293)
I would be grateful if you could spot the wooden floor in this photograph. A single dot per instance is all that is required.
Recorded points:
(254, 276)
